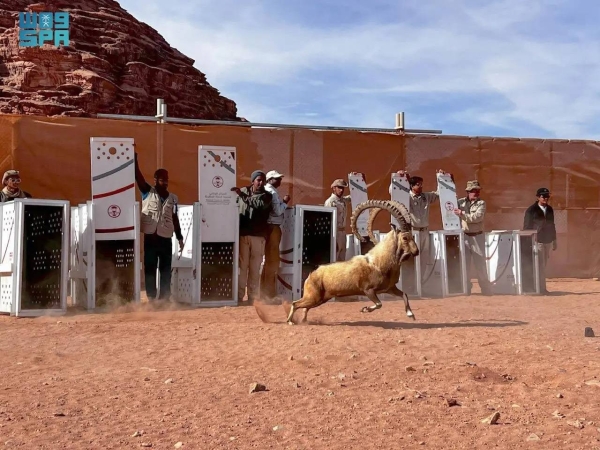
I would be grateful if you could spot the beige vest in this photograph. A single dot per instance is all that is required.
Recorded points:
(157, 219)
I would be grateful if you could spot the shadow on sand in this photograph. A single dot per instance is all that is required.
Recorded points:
(562, 293)
(425, 326)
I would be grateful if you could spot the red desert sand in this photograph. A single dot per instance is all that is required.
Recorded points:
(139, 377)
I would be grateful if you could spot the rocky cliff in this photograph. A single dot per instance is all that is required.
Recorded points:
(114, 64)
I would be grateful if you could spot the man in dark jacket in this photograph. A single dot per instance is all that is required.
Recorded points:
(254, 206)
(540, 217)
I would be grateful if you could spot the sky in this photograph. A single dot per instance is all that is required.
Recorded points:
(520, 68)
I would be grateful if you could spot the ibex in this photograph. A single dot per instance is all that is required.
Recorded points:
(377, 272)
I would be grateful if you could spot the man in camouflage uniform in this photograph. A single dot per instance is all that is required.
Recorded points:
(471, 210)
(339, 201)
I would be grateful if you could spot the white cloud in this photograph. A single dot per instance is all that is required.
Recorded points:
(463, 49)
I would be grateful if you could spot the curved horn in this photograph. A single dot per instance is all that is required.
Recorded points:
(402, 211)
(354, 218)
(370, 223)
(393, 209)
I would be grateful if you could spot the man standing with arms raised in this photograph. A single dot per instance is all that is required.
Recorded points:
(158, 223)
(418, 209)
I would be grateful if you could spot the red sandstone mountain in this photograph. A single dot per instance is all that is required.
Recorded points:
(114, 64)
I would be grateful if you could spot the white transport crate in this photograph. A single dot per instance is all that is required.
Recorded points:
(185, 266)
(308, 240)
(358, 195)
(79, 255)
(105, 263)
(512, 261)
(219, 228)
(446, 272)
(34, 264)
(115, 271)
(400, 192)
(448, 202)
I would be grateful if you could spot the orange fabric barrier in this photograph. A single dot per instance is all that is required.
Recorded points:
(53, 155)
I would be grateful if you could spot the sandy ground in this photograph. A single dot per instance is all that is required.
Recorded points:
(134, 379)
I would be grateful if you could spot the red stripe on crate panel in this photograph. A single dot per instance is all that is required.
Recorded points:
(113, 230)
(118, 191)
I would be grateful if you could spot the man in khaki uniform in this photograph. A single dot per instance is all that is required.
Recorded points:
(419, 214)
(471, 210)
(339, 201)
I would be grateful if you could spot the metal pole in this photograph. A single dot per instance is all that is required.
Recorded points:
(400, 121)
(160, 116)
(262, 125)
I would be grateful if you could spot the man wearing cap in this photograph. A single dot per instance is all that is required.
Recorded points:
(471, 210)
(418, 208)
(158, 222)
(11, 190)
(254, 204)
(540, 217)
(278, 206)
(339, 201)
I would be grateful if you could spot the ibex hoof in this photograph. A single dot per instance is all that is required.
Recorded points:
(366, 309)
(290, 322)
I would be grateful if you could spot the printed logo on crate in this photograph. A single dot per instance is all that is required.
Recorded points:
(114, 211)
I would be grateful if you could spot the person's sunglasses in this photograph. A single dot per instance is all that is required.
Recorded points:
(545, 195)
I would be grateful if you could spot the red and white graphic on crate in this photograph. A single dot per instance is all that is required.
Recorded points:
(113, 187)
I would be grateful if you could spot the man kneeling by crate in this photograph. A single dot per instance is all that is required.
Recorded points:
(158, 223)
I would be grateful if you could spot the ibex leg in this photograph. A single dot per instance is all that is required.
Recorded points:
(395, 291)
(373, 297)
(291, 314)
(293, 310)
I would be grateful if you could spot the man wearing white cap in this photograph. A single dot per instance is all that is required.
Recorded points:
(278, 206)
(11, 182)
(339, 201)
